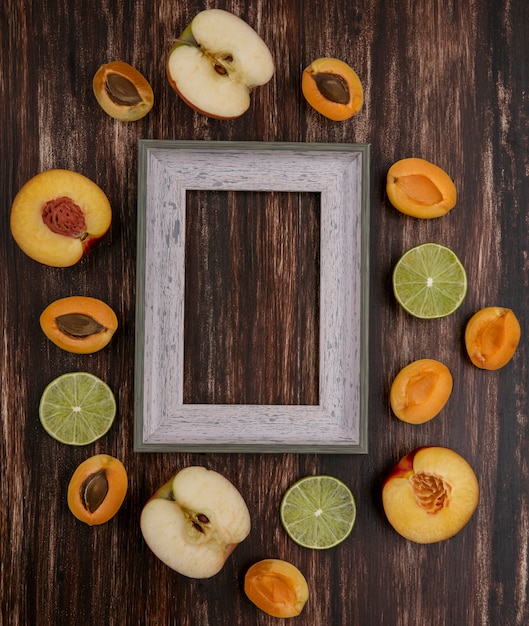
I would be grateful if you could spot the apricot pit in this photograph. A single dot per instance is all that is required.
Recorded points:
(79, 324)
(420, 390)
(276, 587)
(332, 88)
(491, 337)
(419, 188)
(122, 91)
(97, 489)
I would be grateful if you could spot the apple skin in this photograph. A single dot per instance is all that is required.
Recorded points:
(218, 40)
(430, 495)
(195, 521)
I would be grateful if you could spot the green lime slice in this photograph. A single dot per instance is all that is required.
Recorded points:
(77, 408)
(429, 281)
(318, 512)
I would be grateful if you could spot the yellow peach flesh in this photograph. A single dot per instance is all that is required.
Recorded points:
(430, 495)
(33, 235)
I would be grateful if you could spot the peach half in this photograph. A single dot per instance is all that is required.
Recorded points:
(276, 587)
(97, 489)
(430, 495)
(332, 88)
(122, 91)
(79, 324)
(419, 188)
(420, 390)
(58, 216)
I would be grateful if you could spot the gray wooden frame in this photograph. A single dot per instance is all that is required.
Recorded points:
(340, 173)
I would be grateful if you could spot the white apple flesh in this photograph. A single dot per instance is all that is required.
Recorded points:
(194, 522)
(216, 62)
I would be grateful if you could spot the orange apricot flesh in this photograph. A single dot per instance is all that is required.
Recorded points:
(97, 489)
(332, 88)
(79, 324)
(420, 390)
(491, 337)
(276, 587)
(419, 188)
(122, 91)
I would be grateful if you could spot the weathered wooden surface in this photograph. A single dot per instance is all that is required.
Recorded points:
(444, 80)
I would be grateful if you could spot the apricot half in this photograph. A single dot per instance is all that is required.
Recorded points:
(97, 489)
(276, 587)
(122, 92)
(419, 188)
(79, 324)
(332, 88)
(491, 337)
(430, 494)
(420, 390)
(58, 216)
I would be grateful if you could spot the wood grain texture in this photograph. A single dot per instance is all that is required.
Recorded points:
(252, 285)
(447, 81)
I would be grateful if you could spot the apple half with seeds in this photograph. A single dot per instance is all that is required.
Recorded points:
(430, 494)
(58, 216)
(216, 62)
(195, 521)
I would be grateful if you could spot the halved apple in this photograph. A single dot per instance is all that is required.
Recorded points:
(58, 216)
(216, 62)
(430, 494)
(195, 521)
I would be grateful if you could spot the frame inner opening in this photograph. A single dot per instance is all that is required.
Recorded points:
(251, 310)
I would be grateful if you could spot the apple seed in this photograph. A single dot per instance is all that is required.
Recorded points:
(63, 217)
(333, 87)
(220, 69)
(94, 490)
(121, 90)
(78, 324)
(198, 520)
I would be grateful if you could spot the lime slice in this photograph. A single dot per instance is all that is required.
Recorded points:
(77, 408)
(318, 512)
(429, 281)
